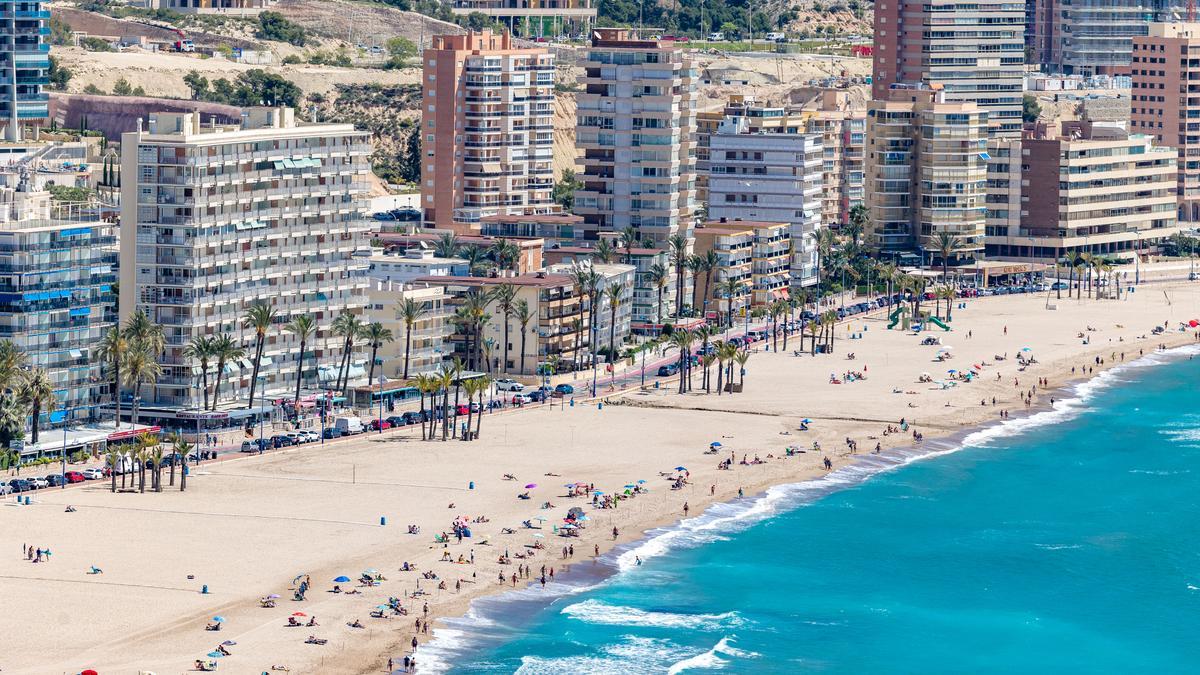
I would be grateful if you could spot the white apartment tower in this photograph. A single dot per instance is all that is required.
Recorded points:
(217, 218)
(634, 133)
(769, 177)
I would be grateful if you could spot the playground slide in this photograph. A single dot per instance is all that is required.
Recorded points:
(894, 317)
(937, 322)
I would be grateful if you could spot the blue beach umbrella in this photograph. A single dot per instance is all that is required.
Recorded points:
(597, 492)
(219, 619)
(214, 655)
(681, 468)
(643, 480)
(629, 485)
(715, 444)
(806, 421)
(342, 579)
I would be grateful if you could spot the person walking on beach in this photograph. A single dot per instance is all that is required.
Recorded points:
(615, 533)
(685, 509)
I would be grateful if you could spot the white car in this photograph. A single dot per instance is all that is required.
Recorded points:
(508, 385)
(310, 436)
(38, 482)
(93, 474)
(519, 399)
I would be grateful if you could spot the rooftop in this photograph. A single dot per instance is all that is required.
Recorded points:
(538, 279)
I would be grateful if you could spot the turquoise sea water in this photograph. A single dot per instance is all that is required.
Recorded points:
(1066, 542)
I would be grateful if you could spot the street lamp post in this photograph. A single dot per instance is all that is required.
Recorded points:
(63, 483)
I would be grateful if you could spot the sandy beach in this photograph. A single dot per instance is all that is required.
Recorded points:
(246, 528)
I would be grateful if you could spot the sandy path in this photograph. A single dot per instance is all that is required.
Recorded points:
(247, 527)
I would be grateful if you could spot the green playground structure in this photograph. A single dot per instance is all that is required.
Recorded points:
(894, 317)
(937, 322)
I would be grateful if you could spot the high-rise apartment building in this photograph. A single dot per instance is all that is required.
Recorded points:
(1091, 37)
(1165, 102)
(769, 178)
(975, 51)
(753, 253)
(635, 120)
(926, 172)
(843, 134)
(57, 271)
(487, 129)
(25, 62)
(1095, 189)
(216, 219)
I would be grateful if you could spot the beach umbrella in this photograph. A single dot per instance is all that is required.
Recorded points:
(215, 654)
(1193, 323)
(538, 535)
(952, 371)
(229, 643)
(630, 485)
(569, 526)
(342, 579)
(299, 614)
(1026, 349)
(539, 519)
(597, 492)
(641, 481)
(219, 619)
(89, 671)
(570, 485)
(382, 607)
(715, 444)
(273, 596)
(681, 468)
(530, 486)
(371, 571)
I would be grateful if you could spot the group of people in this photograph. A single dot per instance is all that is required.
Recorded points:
(36, 555)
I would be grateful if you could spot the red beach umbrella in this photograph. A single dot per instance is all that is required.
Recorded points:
(299, 614)
(89, 671)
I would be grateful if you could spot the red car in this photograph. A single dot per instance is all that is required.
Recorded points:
(377, 425)
(462, 409)
(74, 477)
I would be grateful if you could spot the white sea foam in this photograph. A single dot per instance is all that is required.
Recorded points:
(597, 612)
(722, 519)
(711, 659)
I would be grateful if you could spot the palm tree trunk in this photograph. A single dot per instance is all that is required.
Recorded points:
(445, 411)
(503, 364)
(258, 350)
(172, 472)
(204, 382)
(37, 413)
(299, 377)
(479, 417)
(117, 395)
(720, 376)
(523, 331)
(407, 347)
(217, 383)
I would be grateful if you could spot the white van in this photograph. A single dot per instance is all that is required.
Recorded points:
(776, 37)
(716, 37)
(348, 425)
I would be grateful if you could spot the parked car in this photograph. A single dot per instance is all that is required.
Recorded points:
(462, 409)
(378, 424)
(331, 432)
(75, 477)
(668, 370)
(539, 395)
(312, 436)
(20, 485)
(55, 480)
(564, 390)
(413, 417)
(5, 489)
(508, 385)
(93, 474)
(38, 483)
(519, 398)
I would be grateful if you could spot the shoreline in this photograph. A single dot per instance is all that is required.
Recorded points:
(247, 527)
(469, 632)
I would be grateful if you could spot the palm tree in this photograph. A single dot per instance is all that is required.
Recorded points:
(628, 240)
(859, 217)
(946, 244)
(485, 384)
(505, 296)
(706, 361)
(447, 377)
(347, 326)
(506, 254)
(1072, 257)
(111, 350)
(140, 367)
(476, 258)
(591, 289)
(157, 456)
(813, 328)
(523, 316)
(614, 293)
(260, 316)
(682, 340)
(721, 353)
(948, 294)
(376, 336)
(446, 246)
(603, 252)
(226, 351)
(730, 289)
(742, 357)
(303, 327)
(659, 278)
(143, 333)
(183, 449)
(411, 312)
(201, 349)
(679, 256)
(37, 392)
(825, 240)
(112, 459)
(1088, 260)
(421, 382)
(12, 362)
(709, 265)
